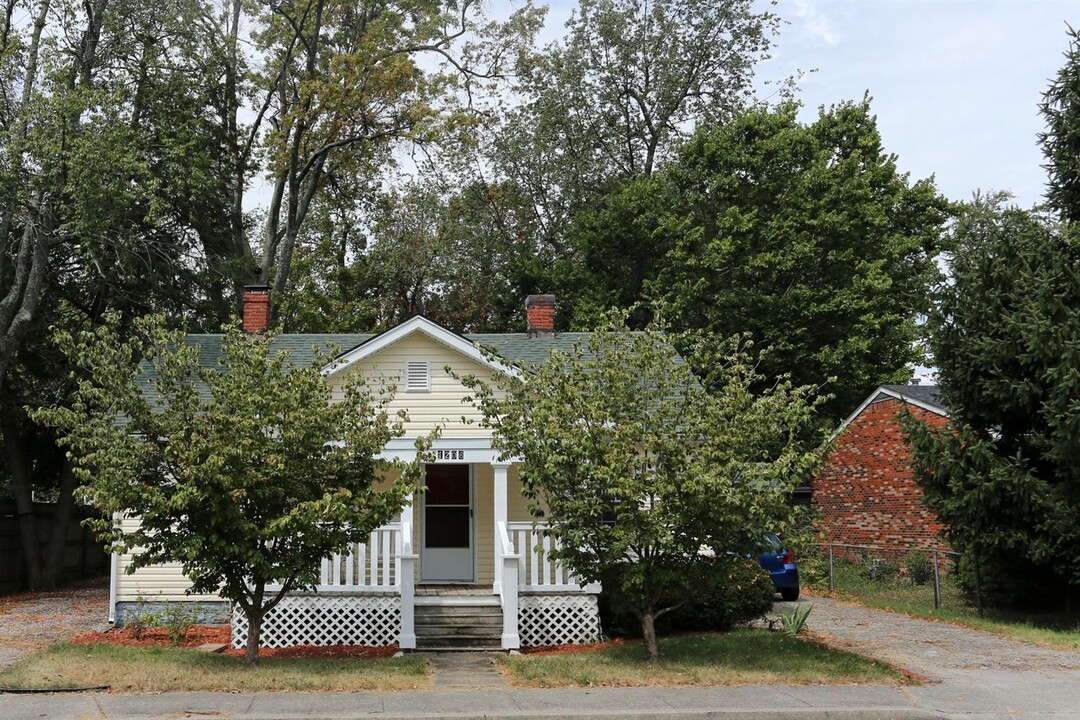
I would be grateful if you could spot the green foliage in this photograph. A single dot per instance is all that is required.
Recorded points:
(918, 567)
(1061, 141)
(806, 237)
(637, 466)
(245, 473)
(177, 618)
(141, 618)
(741, 593)
(1005, 476)
(879, 570)
(794, 618)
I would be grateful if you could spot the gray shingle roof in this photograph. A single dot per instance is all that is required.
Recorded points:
(509, 346)
(926, 394)
(517, 347)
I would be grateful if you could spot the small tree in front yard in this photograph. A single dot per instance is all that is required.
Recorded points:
(248, 473)
(637, 467)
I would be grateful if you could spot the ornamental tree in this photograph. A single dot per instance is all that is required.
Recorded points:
(1005, 336)
(246, 473)
(638, 468)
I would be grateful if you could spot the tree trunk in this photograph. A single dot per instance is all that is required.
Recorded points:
(255, 618)
(53, 571)
(648, 635)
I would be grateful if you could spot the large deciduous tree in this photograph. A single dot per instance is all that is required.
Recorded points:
(1005, 336)
(246, 473)
(637, 467)
(104, 185)
(806, 236)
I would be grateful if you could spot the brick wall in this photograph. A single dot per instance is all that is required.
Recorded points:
(866, 491)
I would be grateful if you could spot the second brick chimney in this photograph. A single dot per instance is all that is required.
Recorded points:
(256, 308)
(540, 311)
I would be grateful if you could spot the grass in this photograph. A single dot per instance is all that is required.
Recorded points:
(161, 669)
(896, 594)
(742, 657)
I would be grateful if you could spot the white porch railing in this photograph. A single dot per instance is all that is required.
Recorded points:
(372, 566)
(537, 571)
(364, 566)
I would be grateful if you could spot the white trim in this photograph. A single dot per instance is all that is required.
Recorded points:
(425, 551)
(422, 325)
(874, 396)
(114, 566)
(474, 451)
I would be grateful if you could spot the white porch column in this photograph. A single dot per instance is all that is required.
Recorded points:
(407, 513)
(511, 639)
(500, 472)
(406, 563)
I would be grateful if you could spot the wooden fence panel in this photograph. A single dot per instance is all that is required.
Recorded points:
(83, 556)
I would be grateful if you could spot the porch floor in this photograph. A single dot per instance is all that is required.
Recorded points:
(453, 590)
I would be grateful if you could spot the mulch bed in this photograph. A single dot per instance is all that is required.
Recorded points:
(202, 634)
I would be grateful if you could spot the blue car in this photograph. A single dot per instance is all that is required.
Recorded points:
(781, 566)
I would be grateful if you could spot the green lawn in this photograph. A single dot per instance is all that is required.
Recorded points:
(899, 595)
(162, 669)
(742, 657)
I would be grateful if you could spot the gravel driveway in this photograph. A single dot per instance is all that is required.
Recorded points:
(929, 648)
(32, 621)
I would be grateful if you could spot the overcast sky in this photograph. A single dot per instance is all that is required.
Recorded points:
(955, 83)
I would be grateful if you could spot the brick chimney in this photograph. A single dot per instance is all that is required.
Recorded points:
(540, 310)
(256, 308)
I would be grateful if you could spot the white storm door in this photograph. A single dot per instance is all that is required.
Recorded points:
(446, 551)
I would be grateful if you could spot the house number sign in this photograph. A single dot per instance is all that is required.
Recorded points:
(449, 454)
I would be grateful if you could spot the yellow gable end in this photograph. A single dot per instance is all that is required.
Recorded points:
(439, 401)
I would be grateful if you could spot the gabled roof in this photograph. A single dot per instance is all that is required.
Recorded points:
(349, 348)
(423, 326)
(927, 397)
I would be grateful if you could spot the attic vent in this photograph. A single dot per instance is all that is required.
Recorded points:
(417, 376)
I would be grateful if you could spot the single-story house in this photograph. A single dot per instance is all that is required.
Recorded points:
(465, 563)
(866, 491)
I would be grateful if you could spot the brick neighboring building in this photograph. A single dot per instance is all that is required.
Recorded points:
(866, 491)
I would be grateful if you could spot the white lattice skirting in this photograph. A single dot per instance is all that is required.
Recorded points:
(558, 619)
(373, 620)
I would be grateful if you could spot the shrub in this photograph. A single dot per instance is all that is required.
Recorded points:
(919, 568)
(741, 592)
(143, 617)
(880, 570)
(177, 618)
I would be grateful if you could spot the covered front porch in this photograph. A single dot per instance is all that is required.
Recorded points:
(464, 565)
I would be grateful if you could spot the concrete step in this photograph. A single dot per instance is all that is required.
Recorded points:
(458, 642)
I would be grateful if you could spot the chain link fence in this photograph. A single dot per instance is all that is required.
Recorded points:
(916, 577)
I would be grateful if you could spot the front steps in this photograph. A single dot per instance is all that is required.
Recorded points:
(472, 622)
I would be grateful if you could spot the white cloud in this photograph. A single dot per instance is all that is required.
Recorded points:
(818, 26)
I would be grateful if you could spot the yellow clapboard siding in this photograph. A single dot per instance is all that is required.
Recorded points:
(441, 406)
